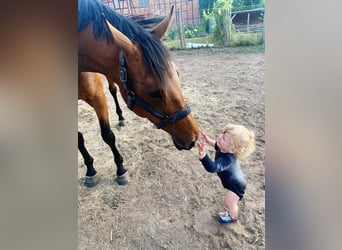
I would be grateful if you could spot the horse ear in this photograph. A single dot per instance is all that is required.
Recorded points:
(122, 41)
(162, 27)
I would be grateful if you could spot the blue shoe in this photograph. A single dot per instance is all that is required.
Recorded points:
(225, 217)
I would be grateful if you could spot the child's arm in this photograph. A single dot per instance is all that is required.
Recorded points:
(207, 139)
(215, 166)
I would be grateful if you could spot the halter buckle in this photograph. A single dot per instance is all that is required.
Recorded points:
(130, 98)
(123, 74)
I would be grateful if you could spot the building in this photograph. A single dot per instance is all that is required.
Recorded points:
(248, 20)
(152, 8)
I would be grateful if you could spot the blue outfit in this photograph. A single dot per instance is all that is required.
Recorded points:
(228, 169)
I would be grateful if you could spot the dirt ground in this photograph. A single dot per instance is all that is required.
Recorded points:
(171, 202)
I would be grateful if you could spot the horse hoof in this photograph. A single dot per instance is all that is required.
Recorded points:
(91, 181)
(122, 180)
(122, 123)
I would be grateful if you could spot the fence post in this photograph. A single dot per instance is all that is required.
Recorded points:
(229, 27)
(248, 17)
(226, 27)
(263, 29)
(181, 30)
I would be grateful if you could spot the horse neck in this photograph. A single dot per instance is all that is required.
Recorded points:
(97, 55)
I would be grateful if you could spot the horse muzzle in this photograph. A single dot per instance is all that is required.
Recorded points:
(181, 146)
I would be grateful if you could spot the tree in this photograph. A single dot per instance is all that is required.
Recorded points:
(206, 5)
(219, 13)
(244, 4)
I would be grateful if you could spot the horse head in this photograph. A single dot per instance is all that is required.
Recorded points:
(146, 74)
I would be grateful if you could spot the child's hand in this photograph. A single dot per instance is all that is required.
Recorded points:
(207, 139)
(204, 136)
(201, 149)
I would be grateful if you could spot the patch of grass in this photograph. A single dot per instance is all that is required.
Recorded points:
(243, 42)
(172, 44)
(176, 44)
(246, 39)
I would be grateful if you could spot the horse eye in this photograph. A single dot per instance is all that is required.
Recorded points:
(155, 94)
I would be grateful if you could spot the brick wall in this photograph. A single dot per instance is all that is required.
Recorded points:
(189, 9)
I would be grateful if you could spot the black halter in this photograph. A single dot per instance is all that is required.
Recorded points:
(133, 98)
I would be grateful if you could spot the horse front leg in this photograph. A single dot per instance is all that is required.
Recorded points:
(96, 98)
(109, 138)
(91, 178)
(113, 91)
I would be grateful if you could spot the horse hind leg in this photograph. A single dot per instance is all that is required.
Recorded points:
(113, 91)
(91, 177)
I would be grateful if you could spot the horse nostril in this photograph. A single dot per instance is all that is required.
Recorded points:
(186, 146)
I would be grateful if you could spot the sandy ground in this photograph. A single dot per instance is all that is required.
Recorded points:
(171, 202)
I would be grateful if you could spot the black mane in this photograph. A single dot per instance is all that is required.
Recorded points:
(155, 55)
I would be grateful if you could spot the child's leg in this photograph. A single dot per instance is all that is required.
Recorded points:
(231, 201)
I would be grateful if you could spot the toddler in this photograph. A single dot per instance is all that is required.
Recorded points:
(235, 143)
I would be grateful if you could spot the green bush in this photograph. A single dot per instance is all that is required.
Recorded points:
(246, 39)
(172, 33)
(219, 13)
(191, 31)
(188, 33)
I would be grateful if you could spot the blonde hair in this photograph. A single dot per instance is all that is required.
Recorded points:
(243, 140)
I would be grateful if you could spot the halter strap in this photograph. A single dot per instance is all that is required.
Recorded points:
(133, 98)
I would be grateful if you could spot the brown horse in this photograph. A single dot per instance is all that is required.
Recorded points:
(90, 90)
(137, 61)
(90, 84)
